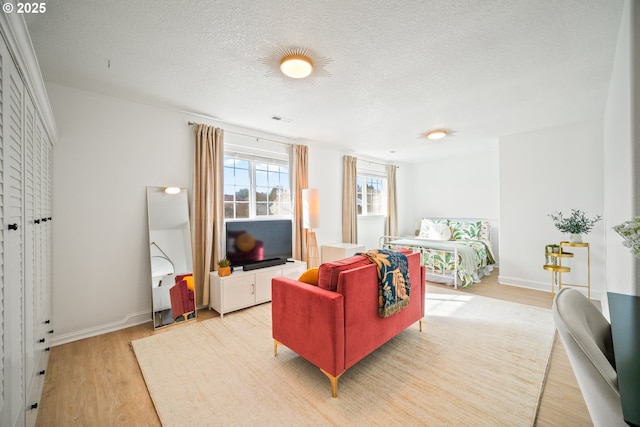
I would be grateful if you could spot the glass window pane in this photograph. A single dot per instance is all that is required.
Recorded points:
(242, 195)
(261, 194)
(229, 212)
(242, 210)
(262, 208)
(261, 178)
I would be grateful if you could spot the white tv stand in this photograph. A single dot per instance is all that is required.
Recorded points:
(247, 288)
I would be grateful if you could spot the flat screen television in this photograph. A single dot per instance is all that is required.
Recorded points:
(249, 242)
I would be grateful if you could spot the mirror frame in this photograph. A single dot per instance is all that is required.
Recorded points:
(168, 223)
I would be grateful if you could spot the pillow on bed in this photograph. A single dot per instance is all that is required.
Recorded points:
(439, 232)
(465, 230)
(484, 230)
(426, 224)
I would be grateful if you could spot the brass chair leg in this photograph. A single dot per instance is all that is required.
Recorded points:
(334, 382)
(275, 347)
(420, 321)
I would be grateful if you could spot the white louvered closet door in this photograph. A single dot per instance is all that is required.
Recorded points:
(31, 227)
(12, 401)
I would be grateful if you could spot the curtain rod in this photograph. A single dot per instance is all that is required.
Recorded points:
(377, 163)
(249, 136)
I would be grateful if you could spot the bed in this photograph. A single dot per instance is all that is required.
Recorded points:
(455, 252)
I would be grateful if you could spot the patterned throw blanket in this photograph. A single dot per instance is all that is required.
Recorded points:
(393, 280)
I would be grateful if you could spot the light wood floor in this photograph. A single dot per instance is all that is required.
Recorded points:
(97, 382)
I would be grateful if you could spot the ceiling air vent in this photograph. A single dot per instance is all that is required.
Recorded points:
(281, 119)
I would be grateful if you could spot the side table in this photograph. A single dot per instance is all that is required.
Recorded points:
(336, 251)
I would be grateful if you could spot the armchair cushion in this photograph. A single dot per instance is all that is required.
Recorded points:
(329, 271)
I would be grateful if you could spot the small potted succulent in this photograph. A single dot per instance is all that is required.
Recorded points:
(224, 267)
(576, 224)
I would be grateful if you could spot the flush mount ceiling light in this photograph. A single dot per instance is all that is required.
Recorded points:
(437, 134)
(296, 64)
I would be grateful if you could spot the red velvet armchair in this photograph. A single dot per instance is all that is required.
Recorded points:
(334, 329)
(182, 299)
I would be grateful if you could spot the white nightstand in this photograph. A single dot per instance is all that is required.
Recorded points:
(336, 251)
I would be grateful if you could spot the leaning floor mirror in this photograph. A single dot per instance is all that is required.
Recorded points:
(172, 289)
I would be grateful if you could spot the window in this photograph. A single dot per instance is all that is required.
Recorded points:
(371, 192)
(256, 187)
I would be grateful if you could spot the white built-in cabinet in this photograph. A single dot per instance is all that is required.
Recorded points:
(26, 150)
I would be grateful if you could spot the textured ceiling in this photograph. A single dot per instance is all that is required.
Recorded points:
(483, 68)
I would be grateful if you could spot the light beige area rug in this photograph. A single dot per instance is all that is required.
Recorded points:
(479, 361)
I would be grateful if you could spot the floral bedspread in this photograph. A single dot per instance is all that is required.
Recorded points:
(473, 255)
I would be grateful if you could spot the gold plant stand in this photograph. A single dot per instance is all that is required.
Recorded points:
(580, 245)
(553, 256)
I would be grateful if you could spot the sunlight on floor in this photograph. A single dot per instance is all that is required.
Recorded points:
(445, 304)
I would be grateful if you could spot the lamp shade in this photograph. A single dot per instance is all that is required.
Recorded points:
(310, 208)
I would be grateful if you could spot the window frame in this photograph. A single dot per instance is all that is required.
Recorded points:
(253, 203)
(364, 196)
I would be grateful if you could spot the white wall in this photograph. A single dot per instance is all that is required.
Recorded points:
(541, 172)
(325, 174)
(621, 133)
(465, 186)
(109, 151)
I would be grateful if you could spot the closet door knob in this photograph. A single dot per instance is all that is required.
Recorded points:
(37, 221)
(34, 406)
(44, 219)
(13, 226)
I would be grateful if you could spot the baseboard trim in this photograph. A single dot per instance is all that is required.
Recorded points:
(129, 320)
(540, 286)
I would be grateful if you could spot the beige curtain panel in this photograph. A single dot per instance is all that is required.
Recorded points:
(349, 201)
(391, 226)
(208, 212)
(301, 171)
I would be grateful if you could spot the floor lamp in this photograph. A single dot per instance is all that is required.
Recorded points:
(311, 220)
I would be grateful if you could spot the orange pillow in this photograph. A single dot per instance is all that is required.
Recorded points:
(310, 276)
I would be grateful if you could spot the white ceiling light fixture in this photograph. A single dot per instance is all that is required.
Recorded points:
(437, 134)
(296, 64)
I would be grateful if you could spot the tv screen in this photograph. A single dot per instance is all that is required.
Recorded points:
(253, 241)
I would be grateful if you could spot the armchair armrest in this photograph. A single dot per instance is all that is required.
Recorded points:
(310, 321)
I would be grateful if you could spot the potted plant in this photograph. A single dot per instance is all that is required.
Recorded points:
(630, 232)
(576, 224)
(224, 267)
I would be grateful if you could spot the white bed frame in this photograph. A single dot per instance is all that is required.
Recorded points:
(385, 243)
